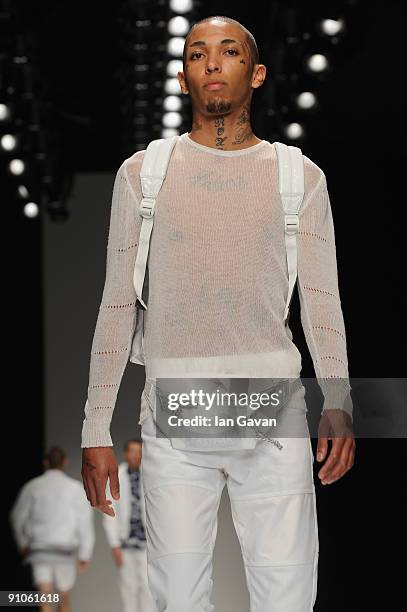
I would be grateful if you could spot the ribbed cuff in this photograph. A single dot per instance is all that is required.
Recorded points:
(337, 395)
(95, 432)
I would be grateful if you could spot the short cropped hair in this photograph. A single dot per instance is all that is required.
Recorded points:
(131, 441)
(55, 457)
(250, 40)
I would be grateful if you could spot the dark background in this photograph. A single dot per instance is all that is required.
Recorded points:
(356, 138)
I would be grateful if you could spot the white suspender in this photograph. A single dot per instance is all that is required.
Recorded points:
(152, 174)
(291, 186)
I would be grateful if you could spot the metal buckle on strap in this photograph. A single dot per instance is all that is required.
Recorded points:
(146, 209)
(291, 224)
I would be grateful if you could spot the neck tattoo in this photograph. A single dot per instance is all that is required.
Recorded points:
(220, 129)
(244, 131)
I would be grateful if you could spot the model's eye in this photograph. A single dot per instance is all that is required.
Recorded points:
(195, 53)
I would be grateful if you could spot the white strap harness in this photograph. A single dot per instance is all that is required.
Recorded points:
(152, 175)
(291, 186)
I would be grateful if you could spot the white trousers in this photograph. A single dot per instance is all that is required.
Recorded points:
(272, 495)
(134, 591)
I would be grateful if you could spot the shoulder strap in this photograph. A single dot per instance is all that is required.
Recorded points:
(152, 175)
(291, 186)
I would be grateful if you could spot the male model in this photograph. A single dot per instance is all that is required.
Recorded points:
(53, 526)
(218, 283)
(125, 533)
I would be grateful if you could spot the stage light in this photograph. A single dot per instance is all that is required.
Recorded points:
(16, 167)
(178, 26)
(294, 131)
(172, 103)
(4, 112)
(317, 62)
(172, 87)
(142, 71)
(332, 27)
(167, 132)
(173, 67)
(172, 120)
(31, 210)
(180, 6)
(175, 46)
(8, 142)
(306, 100)
(22, 192)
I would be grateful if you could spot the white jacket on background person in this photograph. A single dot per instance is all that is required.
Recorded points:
(117, 527)
(51, 512)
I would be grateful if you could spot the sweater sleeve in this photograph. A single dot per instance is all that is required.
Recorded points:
(117, 315)
(321, 311)
(19, 515)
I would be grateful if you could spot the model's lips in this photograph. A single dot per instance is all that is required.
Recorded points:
(213, 86)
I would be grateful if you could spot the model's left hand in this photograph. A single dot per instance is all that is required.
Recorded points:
(335, 425)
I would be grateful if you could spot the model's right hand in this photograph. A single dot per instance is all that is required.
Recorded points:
(118, 555)
(83, 566)
(98, 464)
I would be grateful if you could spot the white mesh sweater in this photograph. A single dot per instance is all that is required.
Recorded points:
(218, 277)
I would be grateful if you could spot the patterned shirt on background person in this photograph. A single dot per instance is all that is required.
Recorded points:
(137, 537)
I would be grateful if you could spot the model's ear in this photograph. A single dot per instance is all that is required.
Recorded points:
(259, 75)
(181, 80)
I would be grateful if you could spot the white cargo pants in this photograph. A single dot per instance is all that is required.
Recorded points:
(272, 495)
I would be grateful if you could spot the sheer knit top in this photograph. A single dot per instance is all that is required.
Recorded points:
(217, 276)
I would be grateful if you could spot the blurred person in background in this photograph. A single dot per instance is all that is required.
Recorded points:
(53, 527)
(125, 533)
